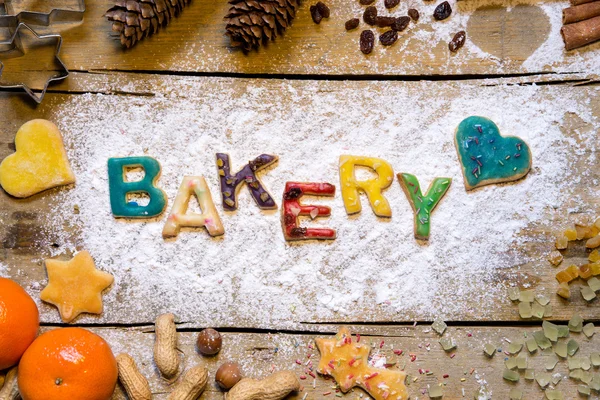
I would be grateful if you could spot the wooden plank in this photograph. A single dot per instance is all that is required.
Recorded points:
(260, 353)
(525, 39)
(36, 228)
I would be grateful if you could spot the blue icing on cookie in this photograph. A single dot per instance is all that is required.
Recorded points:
(486, 156)
(119, 188)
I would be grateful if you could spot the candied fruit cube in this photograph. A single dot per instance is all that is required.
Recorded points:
(564, 291)
(583, 231)
(585, 271)
(594, 256)
(595, 267)
(556, 258)
(570, 234)
(568, 274)
(593, 242)
(562, 242)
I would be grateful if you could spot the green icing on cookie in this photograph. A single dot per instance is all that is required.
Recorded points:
(119, 188)
(423, 206)
(486, 156)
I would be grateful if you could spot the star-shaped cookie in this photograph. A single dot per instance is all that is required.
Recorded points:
(75, 286)
(347, 363)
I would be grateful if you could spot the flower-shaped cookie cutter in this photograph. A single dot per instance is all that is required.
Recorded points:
(10, 19)
(18, 43)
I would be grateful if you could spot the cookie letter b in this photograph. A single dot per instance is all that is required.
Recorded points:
(119, 188)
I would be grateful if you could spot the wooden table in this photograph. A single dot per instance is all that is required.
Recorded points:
(192, 54)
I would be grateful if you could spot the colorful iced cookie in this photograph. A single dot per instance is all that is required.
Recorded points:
(190, 186)
(292, 209)
(39, 163)
(348, 363)
(423, 205)
(372, 187)
(486, 156)
(120, 188)
(231, 183)
(75, 286)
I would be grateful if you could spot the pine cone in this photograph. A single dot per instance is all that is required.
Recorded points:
(250, 22)
(137, 19)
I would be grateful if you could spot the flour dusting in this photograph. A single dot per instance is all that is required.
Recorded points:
(375, 269)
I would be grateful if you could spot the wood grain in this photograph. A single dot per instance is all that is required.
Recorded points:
(498, 42)
(261, 353)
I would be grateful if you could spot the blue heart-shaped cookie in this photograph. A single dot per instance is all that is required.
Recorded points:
(486, 156)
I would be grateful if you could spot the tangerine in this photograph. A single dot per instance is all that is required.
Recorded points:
(68, 363)
(19, 322)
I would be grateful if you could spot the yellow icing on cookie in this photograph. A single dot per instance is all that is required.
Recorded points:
(372, 187)
(75, 286)
(39, 163)
(193, 185)
(347, 362)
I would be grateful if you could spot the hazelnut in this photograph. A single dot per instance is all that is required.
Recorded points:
(209, 342)
(228, 375)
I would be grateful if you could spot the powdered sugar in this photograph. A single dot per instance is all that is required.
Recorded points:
(374, 270)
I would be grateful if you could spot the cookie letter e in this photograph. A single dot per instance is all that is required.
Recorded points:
(487, 157)
(119, 188)
(39, 163)
(292, 209)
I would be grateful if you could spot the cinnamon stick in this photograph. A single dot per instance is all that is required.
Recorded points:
(581, 12)
(581, 33)
(578, 2)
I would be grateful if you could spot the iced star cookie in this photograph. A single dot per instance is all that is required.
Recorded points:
(487, 157)
(75, 286)
(39, 163)
(347, 362)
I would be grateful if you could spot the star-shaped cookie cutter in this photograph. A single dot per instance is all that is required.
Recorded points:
(8, 19)
(15, 42)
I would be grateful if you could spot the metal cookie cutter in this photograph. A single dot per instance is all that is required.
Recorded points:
(10, 19)
(24, 40)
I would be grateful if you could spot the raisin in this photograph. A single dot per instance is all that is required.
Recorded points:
(370, 15)
(352, 24)
(458, 41)
(391, 3)
(442, 11)
(323, 9)
(367, 41)
(388, 38)
(401, 24)
(367, 2)
(383, 22)
(315, 14)
(414, 14)
(293, 193)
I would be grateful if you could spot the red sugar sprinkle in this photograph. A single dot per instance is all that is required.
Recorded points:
(351, 362)
(357, 337)
(476, 141)
(398, 352)
(381, 344)
(445, 376)
(302, 377)
(469, 334)
(373, 375)
(453, 355)
(326, 393)
(413, 357)
(298, 362)
(311, 374)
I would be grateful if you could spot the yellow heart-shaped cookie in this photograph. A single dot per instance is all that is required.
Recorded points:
(39, 163)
